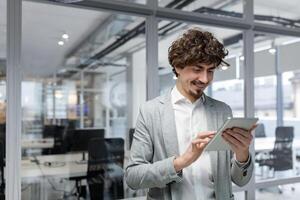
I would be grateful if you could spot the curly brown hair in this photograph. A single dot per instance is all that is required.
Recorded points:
(194, 47)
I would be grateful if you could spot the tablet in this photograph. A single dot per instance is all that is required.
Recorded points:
(217, 143)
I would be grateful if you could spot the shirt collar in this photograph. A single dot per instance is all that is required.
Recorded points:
(177, 97)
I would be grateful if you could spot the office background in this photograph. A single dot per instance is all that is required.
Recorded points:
(71, 66)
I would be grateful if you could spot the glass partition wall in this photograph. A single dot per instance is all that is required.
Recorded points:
(3, 99)
(88, 65)
(277, 144)
(79, 76)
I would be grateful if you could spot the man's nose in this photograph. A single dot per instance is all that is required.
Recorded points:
(203, 77)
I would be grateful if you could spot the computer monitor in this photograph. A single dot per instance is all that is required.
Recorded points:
(79, 139)
(50, 131)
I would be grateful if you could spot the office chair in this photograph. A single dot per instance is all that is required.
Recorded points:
(260, 131)
(281, 157)
(105, 168)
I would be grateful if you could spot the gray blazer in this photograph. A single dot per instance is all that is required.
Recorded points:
(155, 146)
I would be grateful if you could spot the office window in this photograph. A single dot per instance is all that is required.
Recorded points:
(84, 80)
(291, 106)
(280, 13)
(215, 7)
(276, 68)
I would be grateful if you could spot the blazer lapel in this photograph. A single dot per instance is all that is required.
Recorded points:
(168, 126)
(212, 125)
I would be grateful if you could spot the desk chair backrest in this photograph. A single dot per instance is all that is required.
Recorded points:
(102, 153)
(260, 131)
(283, 151)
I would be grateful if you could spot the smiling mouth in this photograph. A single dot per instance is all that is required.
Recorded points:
(199, 86)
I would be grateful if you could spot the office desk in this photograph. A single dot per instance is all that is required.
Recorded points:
(42, 143)
(267, 144)
(67, 166)
(35, 172)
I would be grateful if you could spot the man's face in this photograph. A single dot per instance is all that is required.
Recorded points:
(193, 79)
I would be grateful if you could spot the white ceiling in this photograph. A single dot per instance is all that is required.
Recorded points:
(43, 25)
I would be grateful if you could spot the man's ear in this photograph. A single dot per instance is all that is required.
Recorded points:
(177, 69)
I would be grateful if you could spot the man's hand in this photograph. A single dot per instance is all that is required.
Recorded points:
(239, 140)
(194, 150)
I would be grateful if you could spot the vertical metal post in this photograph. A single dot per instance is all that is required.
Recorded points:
(107, 115)
(81, 99)
(13, 115)
(279, 91)
(54, 86)
(248, 36)
(129, 85)
(152, 53)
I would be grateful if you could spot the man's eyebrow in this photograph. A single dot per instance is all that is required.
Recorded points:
(210, 68)
(214, 67)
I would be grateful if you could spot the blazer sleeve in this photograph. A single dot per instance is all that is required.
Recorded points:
(240, 173)
(141, 172)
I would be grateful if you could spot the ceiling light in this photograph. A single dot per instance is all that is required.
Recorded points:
(65, 36)
(272, 51)
(224, 67)
(60, 43)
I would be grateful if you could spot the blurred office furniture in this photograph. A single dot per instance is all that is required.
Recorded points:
(57, 133)
(105, 168)
(2, 163)
(2, 160)
(260, 131)
(131, 132)
(2, 136)
(77, 141)
(281, 157)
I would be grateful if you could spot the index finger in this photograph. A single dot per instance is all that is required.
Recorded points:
(206, 134)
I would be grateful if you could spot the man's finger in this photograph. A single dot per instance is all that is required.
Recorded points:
(206, 134)
(198, 141)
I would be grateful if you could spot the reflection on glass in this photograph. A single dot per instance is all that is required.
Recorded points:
(280, 13)
(277, 142)
(215, 7)
(81, 91)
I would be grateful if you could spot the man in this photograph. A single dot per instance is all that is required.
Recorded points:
(167, 153)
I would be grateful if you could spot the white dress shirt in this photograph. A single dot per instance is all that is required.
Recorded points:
(190, 119)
